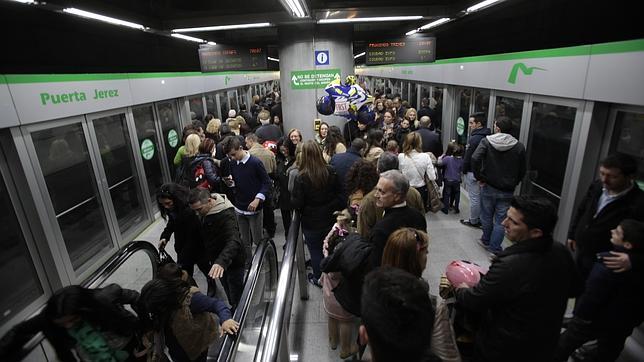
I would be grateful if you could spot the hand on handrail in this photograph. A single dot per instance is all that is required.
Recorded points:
(217, 271)
(230, 326)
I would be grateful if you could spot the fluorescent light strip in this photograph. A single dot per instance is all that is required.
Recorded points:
(99, 17)
(25, 1)
(222, 27)
(189, 38)
(434, 23)
(411, 32)
(364, 20)
(211, 43)
(273, 59)
(480, 5)
(359, 55)
(296, 8)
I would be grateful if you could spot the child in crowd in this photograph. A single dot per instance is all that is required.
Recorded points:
(340, 322)
(611, 305)
(452, 162)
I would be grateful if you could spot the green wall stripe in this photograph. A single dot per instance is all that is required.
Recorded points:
(54, 78)
(581, 50)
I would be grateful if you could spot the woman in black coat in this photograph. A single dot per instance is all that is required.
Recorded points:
(316, 195)
(285, 159)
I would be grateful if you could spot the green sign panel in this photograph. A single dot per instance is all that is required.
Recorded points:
(460, 126)
(173, 138)
(313, 79)
(147, 149)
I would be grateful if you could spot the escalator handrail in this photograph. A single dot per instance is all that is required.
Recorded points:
(227, 349)
(99, 276)
(283, 295)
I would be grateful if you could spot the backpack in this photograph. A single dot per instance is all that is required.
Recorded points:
(199, 176)
(191, 173)
(194, 332)
(271, 146)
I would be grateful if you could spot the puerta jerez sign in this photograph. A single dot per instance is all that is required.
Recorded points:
(417, 50)
(218, 58)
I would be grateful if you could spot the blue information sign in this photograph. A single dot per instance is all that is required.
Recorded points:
(321, 57)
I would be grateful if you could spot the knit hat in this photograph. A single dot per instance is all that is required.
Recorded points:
(232, 113)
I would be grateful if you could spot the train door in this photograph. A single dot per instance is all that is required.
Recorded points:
(73, 202)
(626, 125)
(151, 147)
(114, 144)
(171, 131)
(549, 134)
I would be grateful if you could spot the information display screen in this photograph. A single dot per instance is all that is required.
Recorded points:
(421, 50)
(217, 58)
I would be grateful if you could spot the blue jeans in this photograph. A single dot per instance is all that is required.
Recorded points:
(451, 194)
(313, 240)
(494, 207)
(474, 192)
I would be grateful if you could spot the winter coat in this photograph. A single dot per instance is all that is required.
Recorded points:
(499, 161)
(522, 300)
(394, 219)
(220, 235)
(342, 163)
(184, 224)
(283, 165)
(210, 169)
(317, 206)
(475, 138)
(431, 141)
(592, 233)
(351, 258)
(369, 213)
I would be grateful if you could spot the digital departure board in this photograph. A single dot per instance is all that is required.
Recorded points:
(418, 50)
(217, 58)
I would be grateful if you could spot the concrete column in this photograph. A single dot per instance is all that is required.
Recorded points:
(298, 44)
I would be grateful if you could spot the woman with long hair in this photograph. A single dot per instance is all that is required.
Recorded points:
(292, 139)
(407, 249)
(334, 143)
(320, 136)
(285, 159)
(416, 165)
(90, 322)
(212, 129)
(374, 145)
(183, 223)
(412, 116)
(210, 178)
(361, 179)
(315, 194)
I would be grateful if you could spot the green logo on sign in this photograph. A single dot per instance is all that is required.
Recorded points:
(173, 138)
(512, 79)
(313, 79)
(147, 149)
(226, 79)
(460, 126)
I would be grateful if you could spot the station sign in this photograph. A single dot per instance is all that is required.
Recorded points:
(219, 58)
(313, 79)
(415, 50)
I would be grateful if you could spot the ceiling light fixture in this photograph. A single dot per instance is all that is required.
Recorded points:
(189, 38)
(434, 24)
(359, 55)
(480, 6)
(273, 59)
(364, 20)
(297, 8)
(99, 17)
(25, 1)
(411, 32)
(211, 43)
(222, 27)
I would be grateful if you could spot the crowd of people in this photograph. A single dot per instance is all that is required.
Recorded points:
(364, 194)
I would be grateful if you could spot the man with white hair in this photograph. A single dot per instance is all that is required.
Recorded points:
(391, 195)
(267, 131)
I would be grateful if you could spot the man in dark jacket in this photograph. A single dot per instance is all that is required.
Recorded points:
(610, 200)
(431, 140)
(499, 165)
(391, 195)
(477, 133)
(223, 247)
(342, 162)
(523, 296)
(267, 131)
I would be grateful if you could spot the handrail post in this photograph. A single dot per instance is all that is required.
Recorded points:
(301, 267)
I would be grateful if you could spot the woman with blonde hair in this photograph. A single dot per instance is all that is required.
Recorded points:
(416, 165)
(315, 194)
(412, 116)
(407, 249)
(212, 129)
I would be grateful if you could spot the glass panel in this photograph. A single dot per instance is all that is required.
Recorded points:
(413, 101)
(64, 159)
(628, 138)
(548, 146)
(223, 105)
(436, 102)
(512, 108)
(463, 98)
(196, 108)
(232, 100)
(149, 147)
(20, 284)
(481, 100)
(171, 128)
(116, 154)
(211, 104)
